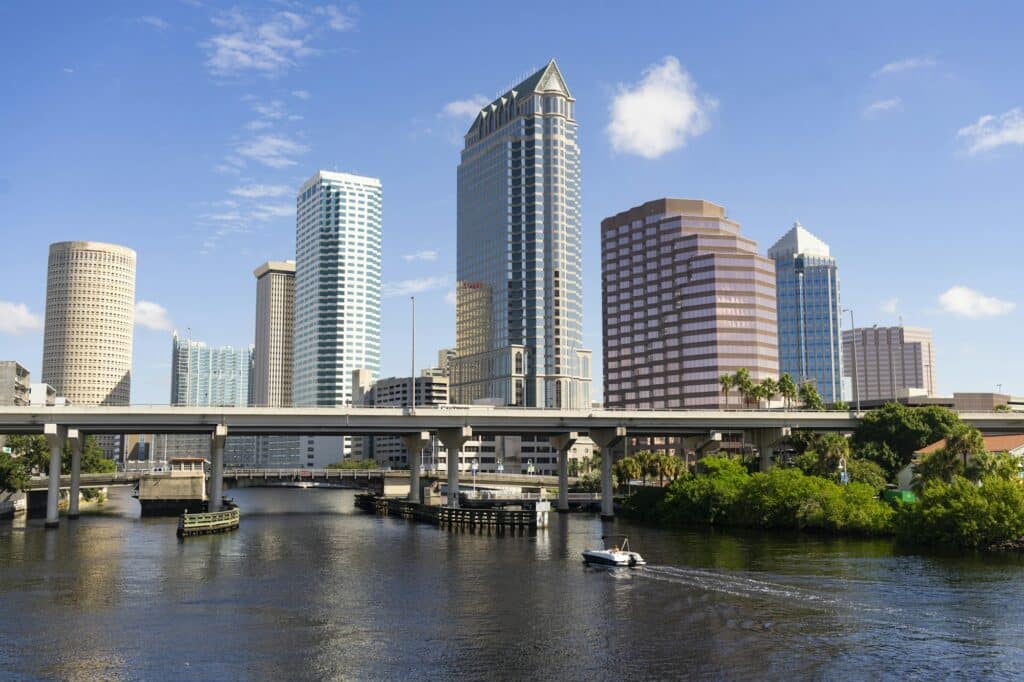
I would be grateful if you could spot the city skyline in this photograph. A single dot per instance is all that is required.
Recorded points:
(896, 176)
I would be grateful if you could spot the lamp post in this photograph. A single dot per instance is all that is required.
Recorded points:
(412, 363)
(856, 382)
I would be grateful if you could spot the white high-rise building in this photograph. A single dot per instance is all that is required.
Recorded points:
(337, 286)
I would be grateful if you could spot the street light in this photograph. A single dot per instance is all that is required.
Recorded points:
(412, 366)
(856, 382)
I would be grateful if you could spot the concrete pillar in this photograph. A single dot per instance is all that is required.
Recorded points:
(414, 444)
(217, 467)
(75, 441)
(453, 440)
(562, 442)
(55, 436)
(606, 439)
(765, 440)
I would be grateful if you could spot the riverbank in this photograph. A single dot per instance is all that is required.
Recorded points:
(987, 515)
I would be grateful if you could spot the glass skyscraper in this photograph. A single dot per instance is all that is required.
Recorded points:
(202, 376)
(519, 306)
(807, 290)
(337, 286)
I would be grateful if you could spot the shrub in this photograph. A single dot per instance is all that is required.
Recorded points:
(963, 514)
(867, 472)
(707, 498)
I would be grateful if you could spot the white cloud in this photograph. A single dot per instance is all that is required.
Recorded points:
(990, 132)
(408, 287)
(658, 114)
(301, 94)
(902, 65)
(16, 318)
(465, 108)
(68, 70)
(152, 316)
(960, 300)
(258, 125)
(272, 150)
(270, 47)
(155, 22)
(336, 19)
(881, 106)
(428, 255)
(890, 305)
(273, 110)
(449, 298)
(261, 191)
(266, 212)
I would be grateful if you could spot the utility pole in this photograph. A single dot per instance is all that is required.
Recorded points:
(853, 333)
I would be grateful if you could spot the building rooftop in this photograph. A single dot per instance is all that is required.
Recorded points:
(798, 241)
(546, 79)
(1003, 443)
(275, 266)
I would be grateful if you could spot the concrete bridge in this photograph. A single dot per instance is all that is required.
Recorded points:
(452, 425)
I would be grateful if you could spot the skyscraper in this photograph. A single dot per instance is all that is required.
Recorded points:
(202, 376)
(519, 309)
(807, 290)
(889, 362)
(686, 299)
(90, 317)
(337, 286)
(275, 314)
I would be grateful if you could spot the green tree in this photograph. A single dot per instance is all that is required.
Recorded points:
(744, 385)
(891, 434)
(726, 382)
(93, 460)
(1003, 407)
(810, 397)
(961, 513)
(839, 406)
(645, 460)
(998, 464)
(769, 389)
(13, 473)
(866, 472)
(626, 470)
(965, 442)
(788, 389)
(33, 451)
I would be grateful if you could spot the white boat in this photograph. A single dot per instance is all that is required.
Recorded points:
(616, 552)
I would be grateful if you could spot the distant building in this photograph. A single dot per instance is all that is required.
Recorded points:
(890, 362)
(337, 286)
(90, 320)
(206, 376)
(519, 299)
(15, 384)
(273, 350)
(43, 395)
(394, 392)
(807, 296)
(686, 299)
(445, 357)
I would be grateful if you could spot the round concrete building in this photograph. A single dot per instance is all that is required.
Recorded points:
(90, 315)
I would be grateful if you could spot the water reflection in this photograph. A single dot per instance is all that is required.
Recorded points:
(308, 588)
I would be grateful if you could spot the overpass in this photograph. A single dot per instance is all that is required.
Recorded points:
(452, 424)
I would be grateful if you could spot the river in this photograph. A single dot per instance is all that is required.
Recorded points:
(310, 588)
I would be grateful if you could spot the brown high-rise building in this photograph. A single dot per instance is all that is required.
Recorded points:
(271, 379)
(686, 299)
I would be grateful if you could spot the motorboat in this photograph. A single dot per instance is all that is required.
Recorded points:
(616, 552)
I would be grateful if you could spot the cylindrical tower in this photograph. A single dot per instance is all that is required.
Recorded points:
(90, 314)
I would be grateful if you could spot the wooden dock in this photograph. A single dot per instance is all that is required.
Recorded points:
(473, 520)
(206, 523)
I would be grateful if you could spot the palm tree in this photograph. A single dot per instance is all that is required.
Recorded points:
(645, 460)
(744, 384)
(726, 381)
(674, 467)
(627, 469)
(788, 390)
(965, 441)
(769, 389)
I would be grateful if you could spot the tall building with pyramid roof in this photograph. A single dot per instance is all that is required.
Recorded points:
(519, 302)
(807, 291)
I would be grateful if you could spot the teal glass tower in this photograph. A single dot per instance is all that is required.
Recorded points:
(519, 303)
(807, 291)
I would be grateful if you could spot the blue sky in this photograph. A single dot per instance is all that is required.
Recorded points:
(183, 130)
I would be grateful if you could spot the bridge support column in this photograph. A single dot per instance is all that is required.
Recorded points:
(562, 442)
(414, 444)
(765, 440)
(217, 467)
(75, 441)
(453, 440)
(55, 436)
(607, 439)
